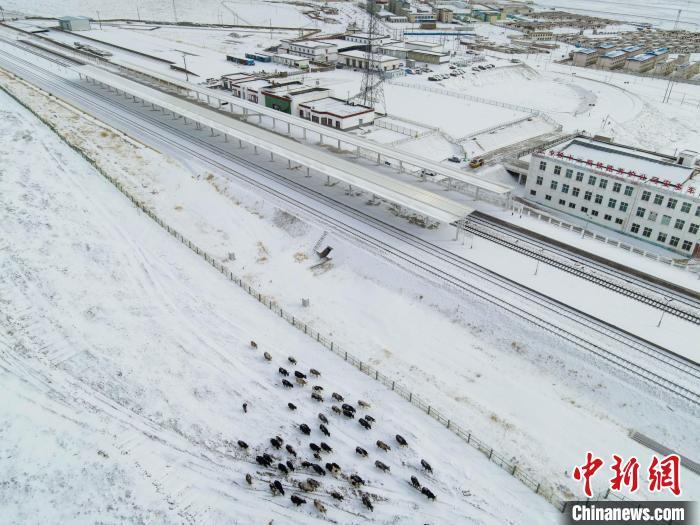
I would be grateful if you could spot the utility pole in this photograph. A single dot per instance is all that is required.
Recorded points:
(668, 301)
(184, 61)
(99, 20)
(174, 12)
(138, 14)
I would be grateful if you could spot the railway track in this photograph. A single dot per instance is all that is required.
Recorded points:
(657, 357)
(593, 272)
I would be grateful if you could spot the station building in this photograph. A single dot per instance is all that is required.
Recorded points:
(336, 113)
(640, 193)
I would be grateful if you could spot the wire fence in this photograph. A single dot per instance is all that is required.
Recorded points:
(482, 100)
(523, 209)
(512, 466)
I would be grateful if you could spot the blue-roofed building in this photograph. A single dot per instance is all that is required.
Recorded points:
(641, 63)
(631, 49)
(585, 56)
(606, 46)
(612, 59)
(659, 51)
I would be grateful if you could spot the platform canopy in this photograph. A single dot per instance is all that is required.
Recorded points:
(419, 200)
(387, 152)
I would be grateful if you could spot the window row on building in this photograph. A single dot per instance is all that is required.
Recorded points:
(607, 215)
(619, 187)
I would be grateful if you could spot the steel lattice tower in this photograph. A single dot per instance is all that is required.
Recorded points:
(372, 89)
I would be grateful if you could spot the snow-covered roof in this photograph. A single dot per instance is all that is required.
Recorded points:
(292, 57)
(336, 107)
(585, 51)
(364, 55)
(614, 54)
(642, 57)
(642, 163)
(607, 45)
(253, 84)
(631, 49)
(311, 44)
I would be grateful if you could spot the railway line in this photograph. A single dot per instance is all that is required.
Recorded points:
(643, 359)
(640, 290)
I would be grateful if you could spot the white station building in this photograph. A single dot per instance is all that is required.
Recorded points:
(643, 194)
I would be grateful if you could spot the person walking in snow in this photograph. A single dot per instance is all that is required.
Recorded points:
(245, 408)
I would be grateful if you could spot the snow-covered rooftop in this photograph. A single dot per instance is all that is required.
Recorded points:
(292, 57)
(336, 107)
(311, 44)
(642, 57)
(614, 54)
(618, 156)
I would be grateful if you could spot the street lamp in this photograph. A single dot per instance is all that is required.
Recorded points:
(184, 61)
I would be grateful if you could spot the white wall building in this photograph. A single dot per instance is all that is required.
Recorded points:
(296, 61)
(336, 113)
(640, 193)
(314, 50)
(365, 39)
(360, 58)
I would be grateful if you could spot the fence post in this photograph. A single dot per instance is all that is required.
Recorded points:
(410, 397)
(393, 383)
(537, 490)
(428, 409)
(514, 467)
(448, 423)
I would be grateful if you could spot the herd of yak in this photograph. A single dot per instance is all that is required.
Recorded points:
(292, 463)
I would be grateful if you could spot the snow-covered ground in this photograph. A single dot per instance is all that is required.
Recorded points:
(244, 12)
(662, 13)
(125, 360)
(486, 368)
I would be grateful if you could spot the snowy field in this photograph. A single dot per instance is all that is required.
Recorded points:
(662, 13)
(246, 12)
(124, 362)
(484, 367)
(625, 107)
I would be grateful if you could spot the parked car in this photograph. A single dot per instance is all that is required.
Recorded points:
(433, 78)
(476, 163)
(454, 158)
(453, 67)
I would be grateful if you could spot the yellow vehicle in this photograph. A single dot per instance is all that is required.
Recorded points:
(476, 163)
